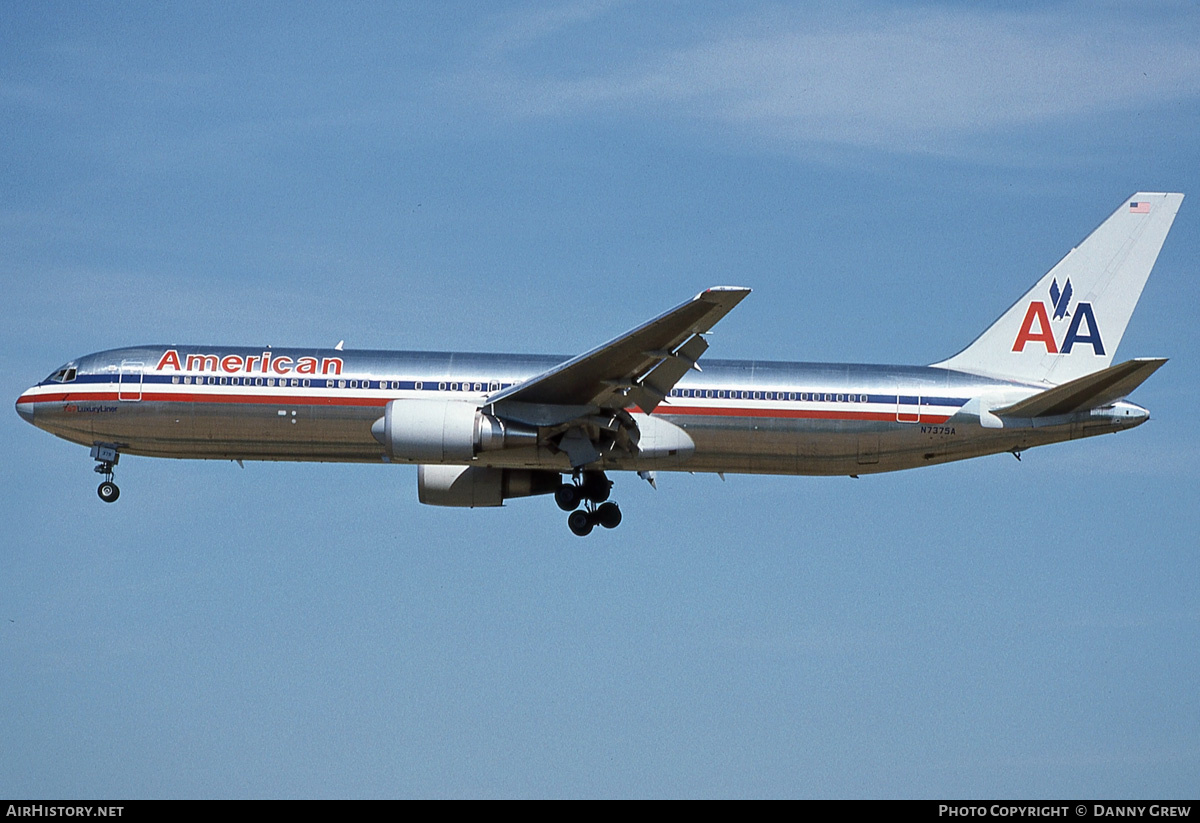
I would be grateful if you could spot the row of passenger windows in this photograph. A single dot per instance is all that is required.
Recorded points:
(253, 381)
(494, 386)
(306, 382)
(733, 394)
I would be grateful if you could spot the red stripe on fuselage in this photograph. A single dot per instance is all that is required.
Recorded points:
(191, 397)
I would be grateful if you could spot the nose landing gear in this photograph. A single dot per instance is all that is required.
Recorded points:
(106, 457)
(592, 489)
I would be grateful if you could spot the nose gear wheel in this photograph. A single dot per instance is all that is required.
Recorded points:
(106, 457)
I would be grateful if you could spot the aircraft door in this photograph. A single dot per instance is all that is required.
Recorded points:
(908, 408)
(129, 380)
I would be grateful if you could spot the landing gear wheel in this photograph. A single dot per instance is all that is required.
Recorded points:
(595, 486)
(568, 497)
(580, 522)
(108, 491)
(106, 457)
(608, 515)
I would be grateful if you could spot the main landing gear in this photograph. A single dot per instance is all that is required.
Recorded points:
(591, 489)
(106, 457)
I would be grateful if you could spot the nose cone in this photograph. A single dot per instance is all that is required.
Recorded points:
(25, 408)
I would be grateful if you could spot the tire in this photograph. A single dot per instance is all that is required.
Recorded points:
(108, 492)
(580, 523)
(568, 497)
(608, 515)
(596, 487)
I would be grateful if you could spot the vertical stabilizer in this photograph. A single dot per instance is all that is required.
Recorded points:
(1071, 322)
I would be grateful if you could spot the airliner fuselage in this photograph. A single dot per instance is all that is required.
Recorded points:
(740, 416)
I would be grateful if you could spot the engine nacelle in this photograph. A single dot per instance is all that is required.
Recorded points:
(445, 431)
(478, 486)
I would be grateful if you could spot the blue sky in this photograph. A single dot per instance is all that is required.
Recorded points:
(537, 178)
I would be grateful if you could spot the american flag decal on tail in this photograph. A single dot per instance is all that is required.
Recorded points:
(1139, 207)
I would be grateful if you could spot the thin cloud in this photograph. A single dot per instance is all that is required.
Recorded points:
(908, 80)
(517, 32)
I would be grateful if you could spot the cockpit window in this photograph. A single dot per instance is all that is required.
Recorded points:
(64, 375)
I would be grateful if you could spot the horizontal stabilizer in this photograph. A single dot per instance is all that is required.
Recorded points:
(1088, 392)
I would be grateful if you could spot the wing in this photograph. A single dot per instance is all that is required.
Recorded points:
(642, 365)
(580, 406)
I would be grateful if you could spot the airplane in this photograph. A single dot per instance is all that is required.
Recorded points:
(486, 428)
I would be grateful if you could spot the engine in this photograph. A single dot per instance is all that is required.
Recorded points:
(478, 486)
(445, 431)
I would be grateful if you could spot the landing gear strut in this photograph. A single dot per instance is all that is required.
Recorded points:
(106, 457)
(592, 489)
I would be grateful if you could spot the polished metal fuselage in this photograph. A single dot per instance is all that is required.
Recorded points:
(219, 402)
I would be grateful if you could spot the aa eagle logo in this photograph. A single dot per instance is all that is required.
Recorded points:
(1037, 326)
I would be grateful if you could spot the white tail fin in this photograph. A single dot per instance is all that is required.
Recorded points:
(1071, 322)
